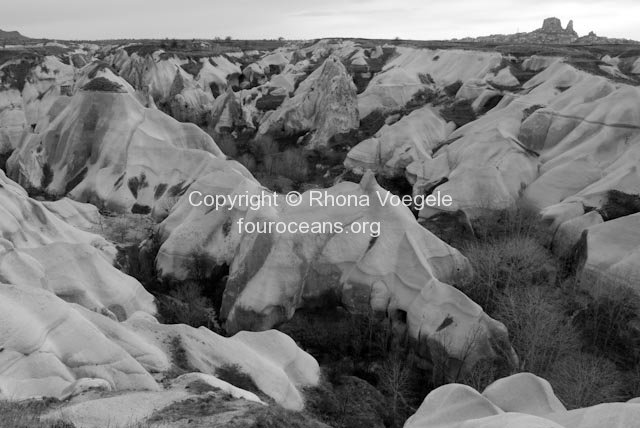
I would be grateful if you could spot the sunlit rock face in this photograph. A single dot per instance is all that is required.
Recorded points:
(542, 147)
(522, 400)
(41, 250)
(324, 105)
(28, 88)
(70, 321)
(412, 70)
(107, 149)
(394, 147)
(186, 101)
(45, 83)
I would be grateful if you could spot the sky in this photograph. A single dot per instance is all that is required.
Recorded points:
(308, 19)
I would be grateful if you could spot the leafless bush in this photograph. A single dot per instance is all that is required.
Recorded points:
(501, 264)
(227, 144)
(540, 332)
(582, 380)
(291, 163)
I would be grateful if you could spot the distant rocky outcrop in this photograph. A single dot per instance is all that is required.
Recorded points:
(551, 32)
(11, 36)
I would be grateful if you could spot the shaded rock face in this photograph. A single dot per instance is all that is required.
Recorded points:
(324, 104)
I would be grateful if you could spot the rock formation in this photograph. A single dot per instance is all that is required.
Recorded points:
(395, 146)
(106, 148)
(324, 104)
(70, 321)
(405, 270)
(521, 400)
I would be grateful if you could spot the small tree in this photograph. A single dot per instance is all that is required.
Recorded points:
(395, 378)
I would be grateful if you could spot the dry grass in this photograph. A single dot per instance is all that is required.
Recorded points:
(26, 414)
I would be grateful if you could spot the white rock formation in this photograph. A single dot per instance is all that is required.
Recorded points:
(395, 146)
(186, 101)
(71, 322)
(107, 149)
(415, 69)
(324, 103)
(403, 270)
(518, 401)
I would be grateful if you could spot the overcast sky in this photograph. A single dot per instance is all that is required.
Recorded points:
(304, 19)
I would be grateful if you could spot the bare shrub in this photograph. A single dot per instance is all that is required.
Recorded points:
(263, 146)
(395, 380)
(460, 112)
(121, 228)
(452, 89)
(513, 222)
(227, 144)
(248, 161)
(501, 264)
(540, 332)
(291, 163)
(582, 380)
(607, 322)
(185, 304)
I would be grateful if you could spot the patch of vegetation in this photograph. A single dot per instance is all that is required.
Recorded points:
(350, 403)
(275, 416)
(359, 352)
(192, 67)
(607, 325)
(292, 163)
(185, 304)
(582, 379)
(179, 355)
(47, 176)
(102, 84)
(99, 66)
(503, 264)
(619, 204)
(15, 75)
(233, 374)
(587, 347)
(420, 99)
(452, 89)
(269, 102)
(196, 410)
(26, 414)
(460, 112)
